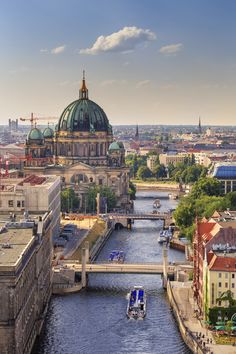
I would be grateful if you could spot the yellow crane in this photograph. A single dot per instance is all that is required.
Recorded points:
(33, 119)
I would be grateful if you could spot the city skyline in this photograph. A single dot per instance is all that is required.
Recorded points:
(152, 62)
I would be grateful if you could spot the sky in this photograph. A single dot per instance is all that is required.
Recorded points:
(146, 61)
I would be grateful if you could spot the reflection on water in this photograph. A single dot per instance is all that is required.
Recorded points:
(94, 320)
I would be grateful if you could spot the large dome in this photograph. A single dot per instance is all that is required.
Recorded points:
(83, 115)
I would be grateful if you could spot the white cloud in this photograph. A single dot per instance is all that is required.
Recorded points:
(43, 50)
(143, 83)
(58, 50)
(124, 40)
(171, 49)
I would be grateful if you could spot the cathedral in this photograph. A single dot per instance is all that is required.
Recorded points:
(81, 150)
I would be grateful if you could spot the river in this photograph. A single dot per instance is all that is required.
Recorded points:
(94, 321)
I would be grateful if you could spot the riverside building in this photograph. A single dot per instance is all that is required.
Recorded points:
(81, 150)
(25, 279)
(32, 194)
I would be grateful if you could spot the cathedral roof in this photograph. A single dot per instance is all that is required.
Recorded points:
(83, 115)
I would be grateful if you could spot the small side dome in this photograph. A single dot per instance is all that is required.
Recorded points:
(48, 133)
(114, 146)
(35, 136)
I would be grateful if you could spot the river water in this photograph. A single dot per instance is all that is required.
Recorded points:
(94, 321)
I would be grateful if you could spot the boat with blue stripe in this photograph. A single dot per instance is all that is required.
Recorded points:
(136, 307)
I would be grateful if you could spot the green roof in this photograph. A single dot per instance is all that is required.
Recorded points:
(114, 146)
(48, 133)
(35, 135)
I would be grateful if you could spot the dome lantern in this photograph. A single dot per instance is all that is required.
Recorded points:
(83, 92)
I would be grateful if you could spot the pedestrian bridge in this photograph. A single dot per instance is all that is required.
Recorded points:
(126, 219)
(136, 268)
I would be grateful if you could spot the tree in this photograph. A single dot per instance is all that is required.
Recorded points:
(69, 200)
(159, 170)
(227, 296)
(144, 172)
(132, 190)
(105, 192)
(206, 185)
(231, 198)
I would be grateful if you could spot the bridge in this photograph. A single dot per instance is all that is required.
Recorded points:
(126, 220)
(117, 268)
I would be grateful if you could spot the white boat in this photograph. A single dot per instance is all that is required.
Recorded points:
(173, 196)
(136, 307)
(156, 204)
(165, 236)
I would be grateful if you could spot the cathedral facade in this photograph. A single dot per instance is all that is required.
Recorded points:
(81, 150)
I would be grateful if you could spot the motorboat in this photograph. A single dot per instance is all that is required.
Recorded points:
(117, 257)
(136, 307)
(165, 236)
(173, 196)
(156, 204)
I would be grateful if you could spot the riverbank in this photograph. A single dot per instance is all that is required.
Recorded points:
(180, 296)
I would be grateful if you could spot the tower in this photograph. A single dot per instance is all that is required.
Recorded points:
(136, 137)
(199, 126)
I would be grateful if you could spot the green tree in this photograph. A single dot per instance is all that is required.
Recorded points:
(144, 172)
(159, 170)
(231, 198)
(206, 185)
(69, 200)
(132, 190)
(104, 192)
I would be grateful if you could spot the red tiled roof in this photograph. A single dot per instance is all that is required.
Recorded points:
(33, 180)
(227, 264)
(205, 227)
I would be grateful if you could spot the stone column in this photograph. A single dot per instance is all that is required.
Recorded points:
(87, 251)
(83, 273)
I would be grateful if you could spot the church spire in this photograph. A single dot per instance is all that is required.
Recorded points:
(137, 133)
(83, 92)
(199, 126)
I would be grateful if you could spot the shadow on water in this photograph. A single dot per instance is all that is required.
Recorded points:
(94, 320)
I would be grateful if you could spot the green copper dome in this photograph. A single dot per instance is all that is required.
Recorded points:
(83, 115)
(35, 136)
(114, 146)
(48, 133)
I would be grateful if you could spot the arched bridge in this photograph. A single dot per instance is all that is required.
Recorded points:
(127, 219)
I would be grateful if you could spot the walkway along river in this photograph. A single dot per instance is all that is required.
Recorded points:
(94, 320)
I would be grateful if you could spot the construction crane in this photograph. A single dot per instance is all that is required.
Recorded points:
(33, 120)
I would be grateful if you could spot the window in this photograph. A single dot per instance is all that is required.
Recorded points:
(219, 293)
(219, 302)
(219, 275)
(100, 181)
(23, 203)
(18, 203)
(219, 284)
(226, 275)
(10, 203)
(233, 275)
(226, 285)
(232, 285)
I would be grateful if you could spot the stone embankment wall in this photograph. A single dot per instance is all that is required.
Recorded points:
(100, 243)
(186, 334)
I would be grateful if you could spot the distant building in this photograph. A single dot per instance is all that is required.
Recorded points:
(225, 172)
(167, 159)
(32, 194)
(136, 137)
(151, 162)
(25, 281)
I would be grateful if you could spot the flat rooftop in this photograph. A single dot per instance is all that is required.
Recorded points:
(13, 243)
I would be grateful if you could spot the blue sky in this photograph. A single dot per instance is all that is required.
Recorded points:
(157, 62)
